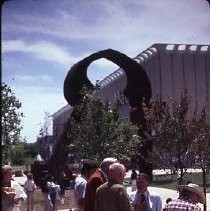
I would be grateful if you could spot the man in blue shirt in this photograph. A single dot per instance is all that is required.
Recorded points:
(142, 199)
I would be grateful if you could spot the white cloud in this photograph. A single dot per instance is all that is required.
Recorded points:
(41, 50)
(127, 26)
(117, 22)
(29, 79)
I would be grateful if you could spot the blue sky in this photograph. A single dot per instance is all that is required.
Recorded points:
(42, 39)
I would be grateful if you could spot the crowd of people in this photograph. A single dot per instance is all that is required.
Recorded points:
(98, 188)
(103, 190)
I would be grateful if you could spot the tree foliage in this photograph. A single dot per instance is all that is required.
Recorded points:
(23, 153)
(179, 135)
(45, 127)
(200, 139)
(97, 130)
(10, 122)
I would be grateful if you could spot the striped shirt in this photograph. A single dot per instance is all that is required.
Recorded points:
(181, 204)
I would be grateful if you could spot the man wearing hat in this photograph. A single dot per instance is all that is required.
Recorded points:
(191, 195)
(97, 179)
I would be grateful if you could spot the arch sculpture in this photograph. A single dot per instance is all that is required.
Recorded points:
(138, 88)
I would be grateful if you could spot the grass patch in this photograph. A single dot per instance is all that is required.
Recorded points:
(169, 181)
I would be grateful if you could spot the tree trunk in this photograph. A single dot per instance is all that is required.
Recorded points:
(204, 186)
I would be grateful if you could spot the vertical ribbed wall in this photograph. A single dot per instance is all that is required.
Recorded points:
(175, 68)
(171, 70)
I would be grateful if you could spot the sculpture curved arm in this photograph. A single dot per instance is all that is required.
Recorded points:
(138, 84)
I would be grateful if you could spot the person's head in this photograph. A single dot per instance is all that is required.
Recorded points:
(74, 176)
(30, 176)
(7, 173)
(117, 172)
(133, 174)
(48, 177)
(88, 168)
(106, 163)
(193, 192)
(142, 182)
(168, 200)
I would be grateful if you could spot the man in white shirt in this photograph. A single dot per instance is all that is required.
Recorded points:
(81, 181)
(30, 188)
(12, 193)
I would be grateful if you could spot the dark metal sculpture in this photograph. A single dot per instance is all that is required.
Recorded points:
(138, 88)
(138, 84)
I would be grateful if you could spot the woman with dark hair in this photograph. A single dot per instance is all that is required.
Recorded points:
(48, 205)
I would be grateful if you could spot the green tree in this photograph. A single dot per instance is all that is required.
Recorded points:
(10, 122)
(200, 148)
(24, 153)
(97, 131)
(180, 136)
(200, 145)
(31, 149)
(45, 127)
(17, 154)
(174, 132)
(30, 153)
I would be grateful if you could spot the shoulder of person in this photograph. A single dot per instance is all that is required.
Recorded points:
(14, 183)
(153, 194)
(119, 187)
(80, 179)
(103, 186)
(80, 183)
(96, 173)
(96, 178)
(132, 194)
